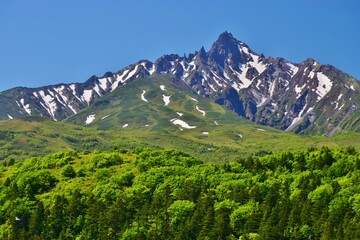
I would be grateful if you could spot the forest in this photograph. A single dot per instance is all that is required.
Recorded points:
(168, 194)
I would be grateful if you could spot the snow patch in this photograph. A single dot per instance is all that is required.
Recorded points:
(205, 133)
(90, 119)
(260, 67)
(131, 73)
(262, 102)
(244, 49)
(296, 121)
(122, 78)
(272, 88)
(152, 69)
(311, 74)
(340, 96)
(258, 84)
(72, 108)
(143, 96)
(103, 83)
(119, 79)
(324, 85)
(104, 117)
(195, 100)
(239, 135)
(59, 91)
(97, 90)
(216, 123)
(293, 69)
(10, 117)
(26, 107)
(73, 88)
(179, 113)
(216, 78)
(242, 76)
(201, 111)
(341, 106)
(87, 96)
(50, 104)
(162, 87)
(298, 90)
(125, 125)
(260, 129)
(166, 100)
(181, 123)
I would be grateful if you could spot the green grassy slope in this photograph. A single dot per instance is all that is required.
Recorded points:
(30, 137)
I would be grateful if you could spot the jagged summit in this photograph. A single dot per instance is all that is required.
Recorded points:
(226, 37)
(307, 97)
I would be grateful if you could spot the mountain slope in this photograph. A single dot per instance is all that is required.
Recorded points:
(159, 112)
(163, 111)
(304, 98)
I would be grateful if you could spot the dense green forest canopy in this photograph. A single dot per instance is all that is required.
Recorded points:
(168, 194)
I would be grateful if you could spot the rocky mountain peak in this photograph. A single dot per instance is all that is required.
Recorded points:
(225, 37)
(225, 47)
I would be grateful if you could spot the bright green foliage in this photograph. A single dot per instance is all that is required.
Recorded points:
(102, 160)
(152, 194)
(180, 211)
(68, 171)
(31, 183)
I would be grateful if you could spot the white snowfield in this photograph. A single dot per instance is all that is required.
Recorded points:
(166, 100)
(256, 63)
(299, 90)
(216, 123)
(205, 133)
(50, 104)
(104, 117)
(10, 117)
(87, 96)
(179, 113)
(260, 129)
(143, 96)
(162, 87)
(125, 125)
(90, 119)
(296, 121)
(195, 100)
(201, 111)
(26, 107)
(181, 123)
(293, 69)
(324, 86)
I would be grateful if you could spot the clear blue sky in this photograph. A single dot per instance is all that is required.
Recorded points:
(45, 42)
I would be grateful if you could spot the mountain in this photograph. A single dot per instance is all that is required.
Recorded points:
(307, 97)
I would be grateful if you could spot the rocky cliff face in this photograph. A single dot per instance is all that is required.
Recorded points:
(307, 97)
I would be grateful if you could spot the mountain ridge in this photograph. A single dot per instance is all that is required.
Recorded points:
(265, 90)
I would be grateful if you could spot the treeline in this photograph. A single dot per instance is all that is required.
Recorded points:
(148, 194)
